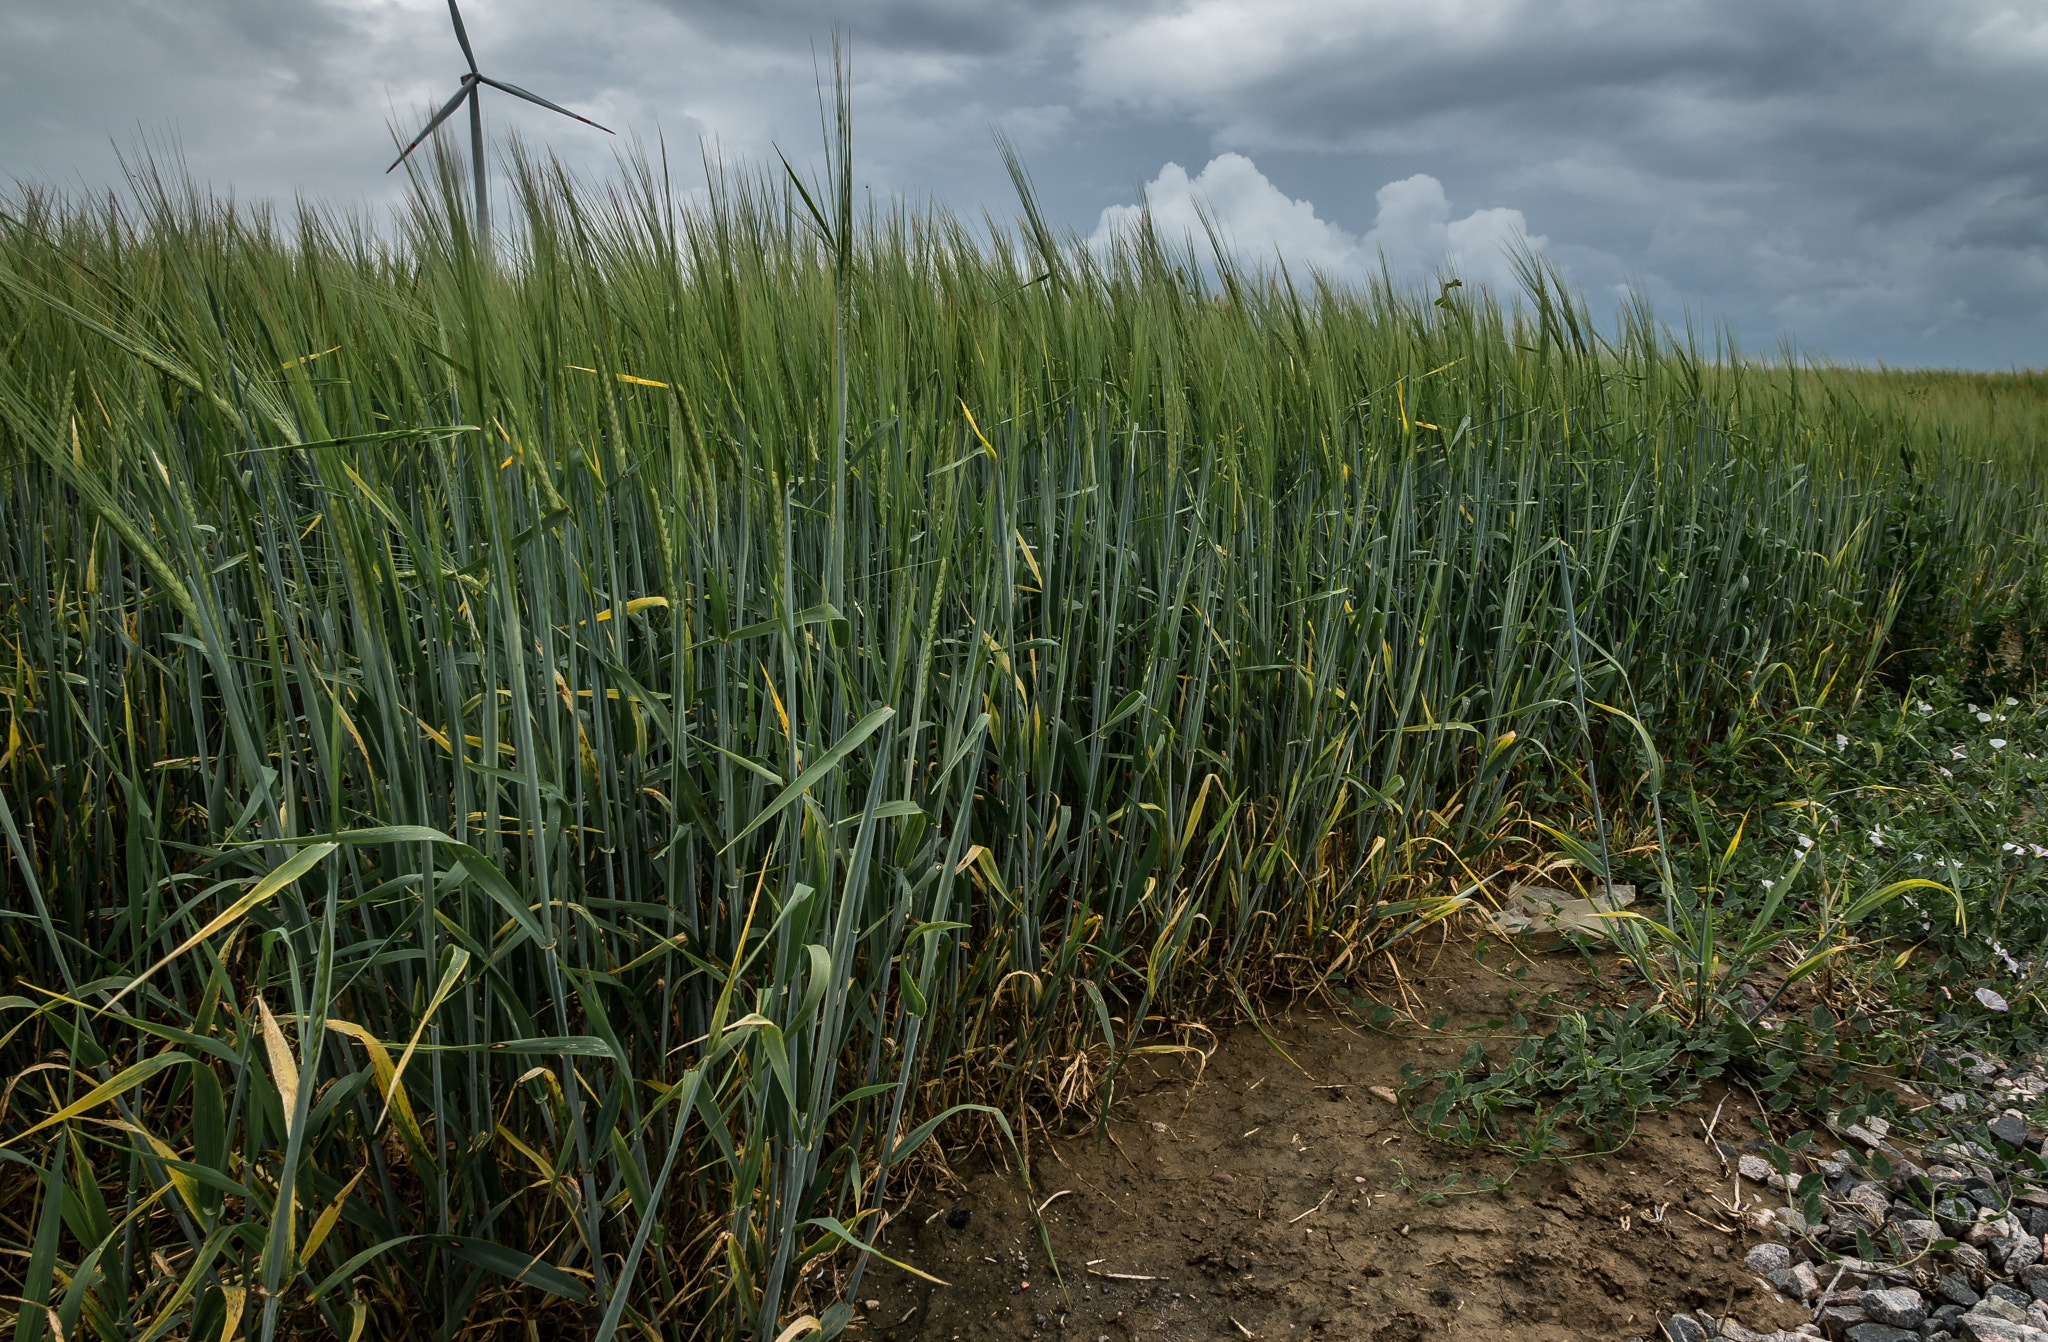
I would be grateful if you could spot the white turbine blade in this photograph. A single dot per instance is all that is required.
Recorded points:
(518, 92)
(462, 35)
(446, 109)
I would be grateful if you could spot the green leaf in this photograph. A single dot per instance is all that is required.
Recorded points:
(817, 769)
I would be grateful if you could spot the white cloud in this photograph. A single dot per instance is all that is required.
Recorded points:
(1261, 224)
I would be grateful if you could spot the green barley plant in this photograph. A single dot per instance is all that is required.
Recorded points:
(538, 788)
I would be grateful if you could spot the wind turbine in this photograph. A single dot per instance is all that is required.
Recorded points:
(472, 83)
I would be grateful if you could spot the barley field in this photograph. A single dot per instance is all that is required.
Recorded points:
(538, 787)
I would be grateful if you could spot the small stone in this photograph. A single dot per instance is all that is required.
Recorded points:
(1970, 1259)
(1916, 1233)
(1881, 1332)
(1998, 1308)
(1987, 1328)
(2021, 1254)
(1837, 1317)
(1874, 1200)
(1956, 1215)
(2010, 1127)
(2011, 1295)
(1755, 1169)
(1788, 1283)
(1955, 1289)
(1899, 1306)
(1765, 1259)
(1952, 1102)
(1731, 1331)
(2035, 1279)
(1685, 1328)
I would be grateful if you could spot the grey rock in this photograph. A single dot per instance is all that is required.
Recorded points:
(1795, 1283)
(1910, 1178)
(1952, 1102)
(2021, 1254)
(1917, 1234)
(2010, 1294)
(1986, 1197)
(1755, 1169)
(1955, 1215)
(1982, 1328)
(1834, 1318)
(1881, 1332)
(2009, 1127)
(1765, 1259)
(1970, 1259)
(1955, 1289)
(2035, 1279)
(1685, 1328)
(1899, 1306)
(1731, 1331)
(1873, 1200)
(1981, 1234)
(1997, 1308)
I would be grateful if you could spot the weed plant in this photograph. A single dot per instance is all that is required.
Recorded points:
(534, 787)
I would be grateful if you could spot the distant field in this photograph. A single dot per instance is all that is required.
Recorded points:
(531, 785)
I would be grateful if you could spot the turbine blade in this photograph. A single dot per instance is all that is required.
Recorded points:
(518, 92)
(462, 35)
(447, 108)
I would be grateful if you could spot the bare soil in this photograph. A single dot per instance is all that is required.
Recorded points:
(1264, 1200)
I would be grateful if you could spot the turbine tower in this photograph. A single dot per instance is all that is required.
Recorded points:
(472, 83)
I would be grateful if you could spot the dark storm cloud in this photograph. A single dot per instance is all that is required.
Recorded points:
(1866, 167)
(1868, 174)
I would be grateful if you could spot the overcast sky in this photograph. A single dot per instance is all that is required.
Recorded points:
(1864, 175)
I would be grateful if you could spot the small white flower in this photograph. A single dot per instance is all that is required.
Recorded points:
(1805, 842)
(1958, 753)
(1991, 999)
(1944, 773)
(2039, 851)
(1971, 707)
(1769, 884)
(1877, 836)
(2012, 703)
(1983, 717)
(1841, 741)
(1997, 744)
(1924, 707)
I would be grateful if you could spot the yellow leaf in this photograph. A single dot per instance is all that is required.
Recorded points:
(327, 1219)
(396, 1100)
(237, 1300)
(126, 1079)
(187, 1186)
(458, 963)
(284, 1071)
(297, 865)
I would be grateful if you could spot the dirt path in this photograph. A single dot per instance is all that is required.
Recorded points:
(1265, 1202)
